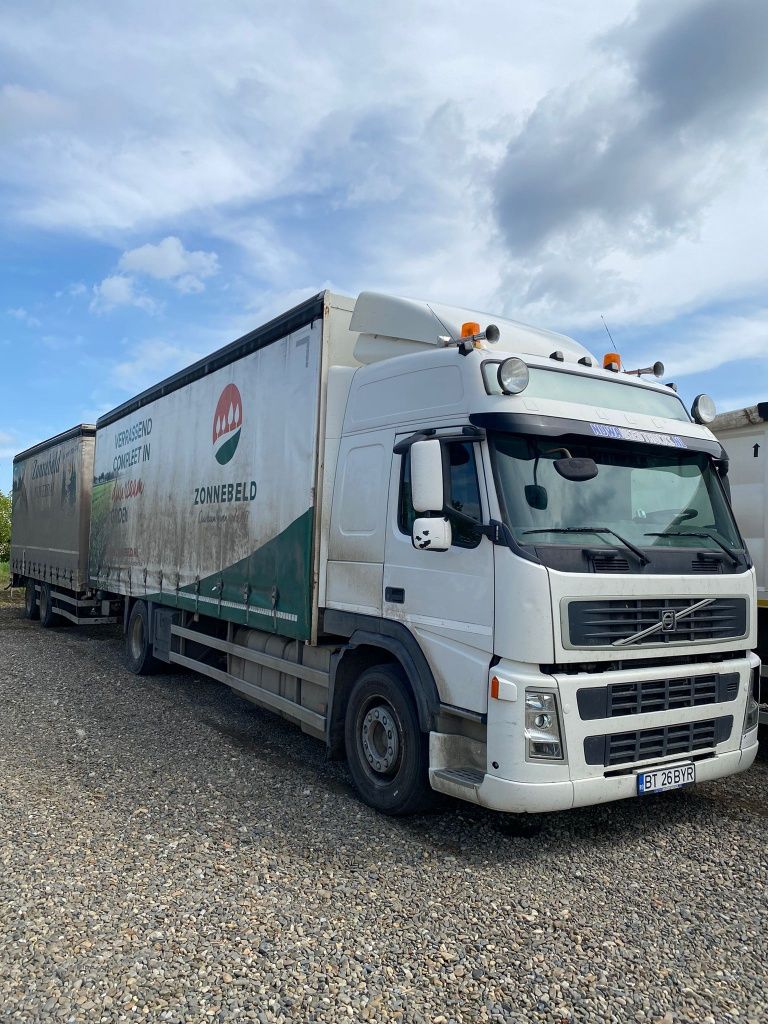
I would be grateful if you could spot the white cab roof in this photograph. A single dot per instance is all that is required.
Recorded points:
(388, 324)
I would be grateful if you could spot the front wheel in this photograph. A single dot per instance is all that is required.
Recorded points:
(31, 607)
(386, 750)
(138, 650)
(48, 616)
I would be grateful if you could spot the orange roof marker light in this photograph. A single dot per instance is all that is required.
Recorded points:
(612, 361)
(472, 337)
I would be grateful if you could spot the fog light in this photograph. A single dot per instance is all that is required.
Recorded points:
(703, 409)
(513, 376)
(542, 726)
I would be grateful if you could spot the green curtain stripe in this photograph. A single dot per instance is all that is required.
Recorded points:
(269, 589)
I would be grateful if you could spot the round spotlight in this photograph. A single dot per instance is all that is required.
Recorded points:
(513, 376)
(703, 409)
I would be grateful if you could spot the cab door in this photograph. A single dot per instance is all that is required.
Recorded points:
(445, 598)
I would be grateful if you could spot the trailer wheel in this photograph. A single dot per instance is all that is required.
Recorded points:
(31, 607)
(386, 751)
(138, 650)
(48, 616)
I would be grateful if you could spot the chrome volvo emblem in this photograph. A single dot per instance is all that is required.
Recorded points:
(668, 621)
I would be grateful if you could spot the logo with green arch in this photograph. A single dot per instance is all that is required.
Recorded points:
(227, 424)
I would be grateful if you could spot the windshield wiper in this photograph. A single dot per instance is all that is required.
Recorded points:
(644, 559)
(690, 533)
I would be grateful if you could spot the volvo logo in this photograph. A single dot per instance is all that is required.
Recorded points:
(668, 621)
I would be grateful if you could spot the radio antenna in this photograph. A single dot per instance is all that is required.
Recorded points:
(605, 325)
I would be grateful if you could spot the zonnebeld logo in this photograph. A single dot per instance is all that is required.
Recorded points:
(227, 424)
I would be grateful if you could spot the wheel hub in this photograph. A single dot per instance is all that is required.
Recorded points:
(380, 739)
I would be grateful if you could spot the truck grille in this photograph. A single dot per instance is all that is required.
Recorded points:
(640, 698)
(669, 621)
(652, 744)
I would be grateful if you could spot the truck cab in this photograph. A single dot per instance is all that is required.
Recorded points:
(554, 539)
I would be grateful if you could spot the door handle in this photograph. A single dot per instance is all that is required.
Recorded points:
(395, 595)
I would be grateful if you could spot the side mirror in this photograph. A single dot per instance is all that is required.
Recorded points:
(576, 469)
(427, 491)
(431, 534)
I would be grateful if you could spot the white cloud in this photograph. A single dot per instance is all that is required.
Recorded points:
(24, 316)
(151, 361)
(220, 108)
(620, 182)
(120, 290)
(170, 261)
(705, 343)
(25, 112)
(551, 161)
(75, 290)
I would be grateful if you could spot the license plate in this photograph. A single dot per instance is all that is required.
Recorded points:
(657, 780)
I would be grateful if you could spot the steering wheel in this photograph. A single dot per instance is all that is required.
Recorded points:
(666, 513)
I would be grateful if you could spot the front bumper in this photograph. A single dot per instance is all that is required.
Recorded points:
(509, 782)
(535, 797)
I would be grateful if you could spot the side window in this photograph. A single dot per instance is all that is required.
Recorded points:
(463, 490)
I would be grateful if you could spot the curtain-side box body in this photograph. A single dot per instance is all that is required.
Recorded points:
(207, 487)
(52, 507)
(744, 434)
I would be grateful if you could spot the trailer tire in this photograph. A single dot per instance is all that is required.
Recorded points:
(138, 649)
(48, 617)
(386, 750)
(31, 605)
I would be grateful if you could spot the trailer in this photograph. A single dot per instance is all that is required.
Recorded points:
(461, 551)
(50, 529)
(744, 433)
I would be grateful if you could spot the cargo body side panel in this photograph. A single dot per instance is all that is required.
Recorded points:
(204, 498)
(51, 510)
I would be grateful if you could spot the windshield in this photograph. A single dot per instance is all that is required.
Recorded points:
(651, 497)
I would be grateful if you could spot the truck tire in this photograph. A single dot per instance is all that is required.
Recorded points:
(386, 751)
(138, 650)
(31, 606)
(48, 616)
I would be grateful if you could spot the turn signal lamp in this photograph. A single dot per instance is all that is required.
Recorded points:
(495, 687)
(612, 361)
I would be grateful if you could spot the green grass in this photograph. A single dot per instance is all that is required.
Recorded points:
(8, 596)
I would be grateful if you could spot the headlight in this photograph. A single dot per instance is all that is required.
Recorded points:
(513, 376)
(542, 726)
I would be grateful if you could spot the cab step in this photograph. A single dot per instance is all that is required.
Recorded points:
(469, 778)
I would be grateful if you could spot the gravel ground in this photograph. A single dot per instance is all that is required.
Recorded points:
(171, 853)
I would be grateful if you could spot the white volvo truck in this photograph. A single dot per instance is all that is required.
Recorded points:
(459, 550)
